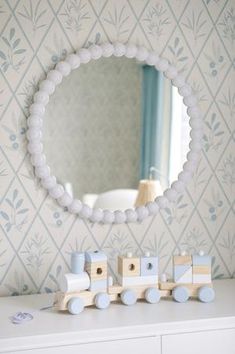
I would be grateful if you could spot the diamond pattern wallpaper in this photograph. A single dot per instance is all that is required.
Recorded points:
(36, 236)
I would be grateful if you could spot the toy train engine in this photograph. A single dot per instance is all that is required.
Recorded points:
(86, 284)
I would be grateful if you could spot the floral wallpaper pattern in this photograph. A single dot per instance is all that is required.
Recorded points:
(36, 236)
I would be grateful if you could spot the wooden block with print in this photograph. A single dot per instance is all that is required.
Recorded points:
(182, 260)
(201, 270)
(201, 260)
(182, 274)
(129, 266)
(97, 271)
(96, 265)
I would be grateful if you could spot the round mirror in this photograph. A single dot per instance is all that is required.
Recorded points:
(115, 132)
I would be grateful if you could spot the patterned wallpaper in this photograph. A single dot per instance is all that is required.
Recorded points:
(98, 109)
(37, 237)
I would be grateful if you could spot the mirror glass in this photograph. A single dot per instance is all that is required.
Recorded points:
(115, 133)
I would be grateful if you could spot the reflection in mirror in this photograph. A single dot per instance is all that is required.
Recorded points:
(116, 133)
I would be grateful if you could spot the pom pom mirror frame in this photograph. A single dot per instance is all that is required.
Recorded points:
(35, 123)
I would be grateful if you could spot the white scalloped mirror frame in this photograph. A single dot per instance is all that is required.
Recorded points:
(35, 122)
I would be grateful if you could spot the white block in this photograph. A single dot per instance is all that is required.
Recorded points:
(132, 281)
(74, 282)
(202, 278)
(187, 277)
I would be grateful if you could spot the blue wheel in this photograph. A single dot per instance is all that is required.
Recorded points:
(152, 295)
(206, 294)
(75, 305)
(102, 301)
(180, 294)
(128, 297)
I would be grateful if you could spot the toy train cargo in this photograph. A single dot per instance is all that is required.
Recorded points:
(89, 284)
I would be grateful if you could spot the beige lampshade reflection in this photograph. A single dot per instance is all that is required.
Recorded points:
(148, 190)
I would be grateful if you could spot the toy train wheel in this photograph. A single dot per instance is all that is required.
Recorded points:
(128, 297)
(102, 301)
(152, 295)
(180, 294)
(75, 305)
(206, 294)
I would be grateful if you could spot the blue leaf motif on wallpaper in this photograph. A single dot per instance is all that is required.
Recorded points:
(33, 14)
(79, 244)
(13, 50)
(198, 92)
(35, 250)
(156, 19)
(228, 25)
(17, 217)
(20, 287)
(59, 216)
(178, 56)
(196, 24)
(177, 211)
(215, 206)
(28, 90)
(229, 102)
(96, 41)
(54, 279)
(16, 134)
(214, 138)
(57, 50)
(216, 61)
(228, 171)
(216, 272)
(118, 20)
(158, 246)
(2, 252)
(118, 243)
(3, 170)
(198, 176)
(228, 243)
(194, 241)
(75, 13)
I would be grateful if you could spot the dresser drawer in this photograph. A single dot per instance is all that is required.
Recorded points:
(150, 345)
(207, 342)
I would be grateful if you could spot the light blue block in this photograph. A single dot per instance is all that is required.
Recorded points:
(75, 305)
(180, 270)
(128, 297)
(201, 260)
(97, 285)
(77, 262)
(180, 294)
(152, 295)
(148, 266)
(206, 294)
(96, 256)
(102, 301)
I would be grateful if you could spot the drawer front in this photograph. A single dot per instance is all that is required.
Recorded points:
(150, 345)
(207, 342)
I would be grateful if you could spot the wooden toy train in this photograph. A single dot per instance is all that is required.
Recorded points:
(89, 284)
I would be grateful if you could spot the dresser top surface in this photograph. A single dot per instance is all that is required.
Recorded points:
(141, 319)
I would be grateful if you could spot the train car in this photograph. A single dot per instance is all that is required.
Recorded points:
(89, 284)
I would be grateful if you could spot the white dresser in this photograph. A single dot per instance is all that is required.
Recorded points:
(164, 328)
